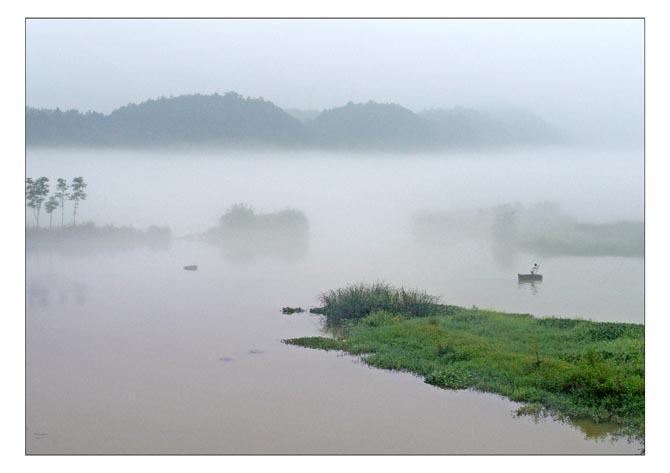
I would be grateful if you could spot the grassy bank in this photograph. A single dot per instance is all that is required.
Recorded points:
(567, 368)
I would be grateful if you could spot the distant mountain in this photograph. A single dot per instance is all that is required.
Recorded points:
(461, 126)
(372, 124)
(231, 120)
(187, 119)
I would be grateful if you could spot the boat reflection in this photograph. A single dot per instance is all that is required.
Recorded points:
(531, 284)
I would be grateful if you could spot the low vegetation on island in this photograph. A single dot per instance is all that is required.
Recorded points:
(570, 369)
(244, 233)
(542, 229)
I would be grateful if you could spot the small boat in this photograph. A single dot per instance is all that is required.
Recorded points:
(530, 277)
(191, 267)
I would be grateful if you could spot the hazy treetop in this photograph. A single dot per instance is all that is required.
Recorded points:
(579, 74)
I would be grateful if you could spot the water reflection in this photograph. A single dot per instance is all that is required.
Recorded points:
(244, 250)
(595, 431)
(532, 286)
(88, 239)
(39, 293)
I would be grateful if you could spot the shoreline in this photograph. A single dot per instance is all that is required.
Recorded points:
(572, 370)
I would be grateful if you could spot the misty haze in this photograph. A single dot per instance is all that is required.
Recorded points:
(474, 188)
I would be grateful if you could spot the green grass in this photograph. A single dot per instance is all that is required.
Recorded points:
(359, 300)
(571, 369)
(292, 310)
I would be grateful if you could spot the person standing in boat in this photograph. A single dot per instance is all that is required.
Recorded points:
(535, 268)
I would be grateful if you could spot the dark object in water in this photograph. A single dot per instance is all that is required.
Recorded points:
(318, 310)
(292, 310)
(256, 351)
(530, 277)
(226, 359)
(191, 267)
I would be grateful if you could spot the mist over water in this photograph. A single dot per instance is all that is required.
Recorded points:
(235, 167)
(127, 352)
(190, 190)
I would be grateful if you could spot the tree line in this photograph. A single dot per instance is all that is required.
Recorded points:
(233, 120)
(37, 196)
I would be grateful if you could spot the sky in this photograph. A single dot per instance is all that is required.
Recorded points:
(582, 76)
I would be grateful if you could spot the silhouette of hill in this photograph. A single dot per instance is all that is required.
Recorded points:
(187, 119)
(461, 126)
(373, 125)
(231, 120)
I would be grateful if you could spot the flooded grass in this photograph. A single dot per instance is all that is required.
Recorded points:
(359, 300)
(569, 368)
(292, 310)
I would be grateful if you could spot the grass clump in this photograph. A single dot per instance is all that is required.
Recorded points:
(292, 310)
(320, 343)
(360, 300)
(573, 369)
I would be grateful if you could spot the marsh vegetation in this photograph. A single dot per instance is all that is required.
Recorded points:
(567, 368)
(352, 225)
(244, 234)
(542, 229)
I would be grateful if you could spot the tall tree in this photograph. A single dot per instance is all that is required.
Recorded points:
(36, 192)
(51, 205)
(61, 195)
(78, 193)
(30, 190)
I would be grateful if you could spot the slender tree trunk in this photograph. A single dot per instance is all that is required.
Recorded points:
(62, 212)
(51, 217)
(74, 214)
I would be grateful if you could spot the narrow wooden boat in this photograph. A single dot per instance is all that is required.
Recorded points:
(530, 277)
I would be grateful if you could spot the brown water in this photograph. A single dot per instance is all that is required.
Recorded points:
(128, 353)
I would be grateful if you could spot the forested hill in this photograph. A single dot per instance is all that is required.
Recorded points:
(234, 121)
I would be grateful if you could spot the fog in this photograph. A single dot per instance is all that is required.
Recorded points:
(211, 338)
(584, 77)
(357, 217)
(154, 324)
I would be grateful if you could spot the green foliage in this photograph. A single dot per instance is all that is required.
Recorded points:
(51, 205)
(292, 310)
(450, 378)
(612, 331)
(360, 300)
(574, 369)
(320, 343)
(37, 191)
(61, 194)
(381, 317)
(78, 193)
(242, 220)
(243, 233)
